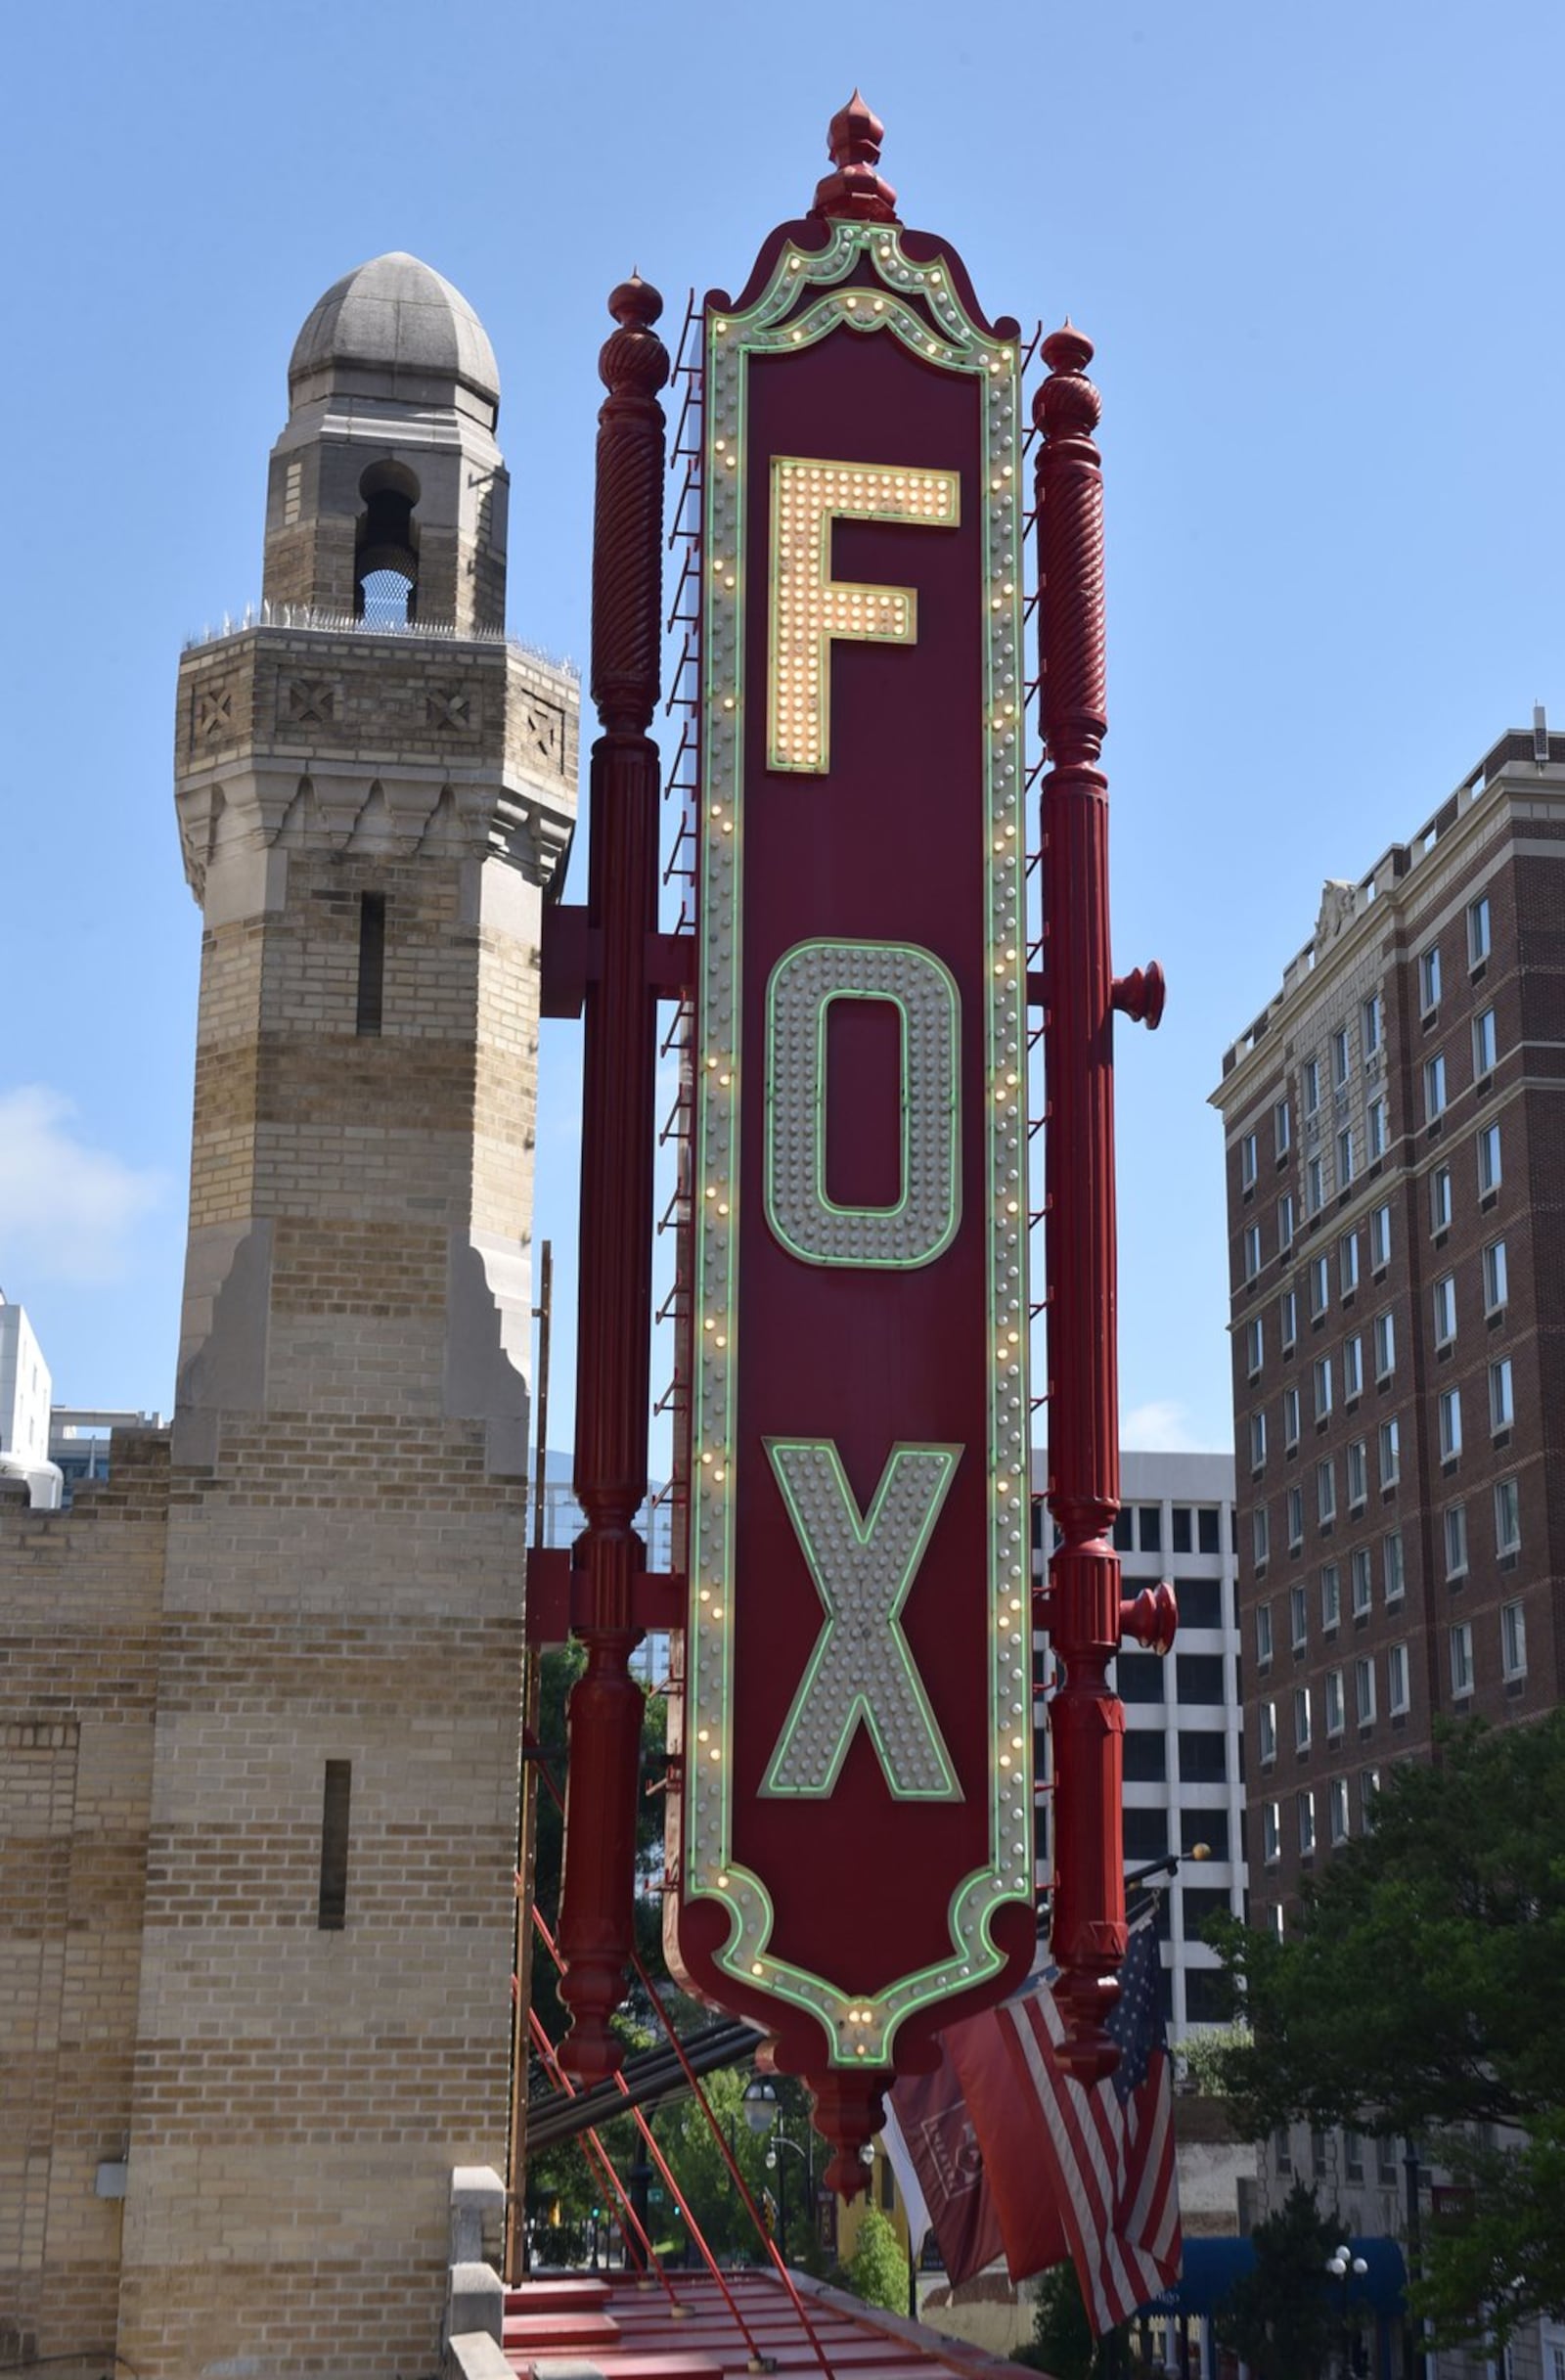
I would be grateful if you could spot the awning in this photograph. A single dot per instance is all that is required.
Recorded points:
(1213, 2265)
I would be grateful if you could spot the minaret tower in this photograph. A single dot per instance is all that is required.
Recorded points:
(375, 789)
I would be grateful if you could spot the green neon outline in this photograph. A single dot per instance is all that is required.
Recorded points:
(707, 1841)
(951, 1013)
(860, 1707)
(831, 515)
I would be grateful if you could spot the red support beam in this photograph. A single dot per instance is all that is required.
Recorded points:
(1083, 1606)
(604, 1719)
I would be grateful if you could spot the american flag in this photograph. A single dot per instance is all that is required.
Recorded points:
(1096, 2179)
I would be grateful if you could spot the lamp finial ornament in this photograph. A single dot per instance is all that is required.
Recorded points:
(855, 189)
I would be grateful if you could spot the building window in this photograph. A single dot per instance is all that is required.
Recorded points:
(1490, 1170)
(1295, 1519)
(1270, 1832)
(331, 1907)
(1512, 1641)
(1321, 1375)
(1283, 1128)
(1260, 1535)
(1393, 1570)
(1363, 1689)
(1385, 1329)
(1461, 1658)
(1344, 1160)
(1369, 1019)
(1337, 1804)
(1348, 1263)
(1254, 1346)
(1298, 1618)
(1351, 1367)
(1252, 1250)
(1353, 2155)
(1358, 1474)
(1478, 944)
(1440, 1198)
(1263, 1634)
(1429, 978)
(1390, 1453)
(1249, 1161)
(1314, 1185)
(1312, 1086)
(1290, 1419)
(1336, 1714)
(1257, 1442)
(1341, 1058)
(1288, 1319)
(1450, 1412)
(371, 1002)
(1434, 1087)
(1398, 1681)
(1319, 1284)
(1325, 1492)
(1330, 1596)
(1358, 1585)
(1301, 1719)
(1507, 1517)
(1484, 1043)
(1444, 1298)
(1369, 1788)
(1306, 1825)
(1501, 1401)
(1379, 1129)
(1496, 1277)
(1379, 1239)
(1285, 1220)
(1386, 2169)
(1456, 1541)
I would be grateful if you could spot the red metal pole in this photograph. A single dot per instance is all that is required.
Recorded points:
(1083, 1606)
(604, 1719)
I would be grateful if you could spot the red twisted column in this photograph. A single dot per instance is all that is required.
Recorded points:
(1085, 1720)
(604, 1717)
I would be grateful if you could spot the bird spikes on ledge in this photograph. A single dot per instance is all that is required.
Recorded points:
(855, 189)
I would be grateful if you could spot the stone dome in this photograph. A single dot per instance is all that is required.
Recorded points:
(393, 327)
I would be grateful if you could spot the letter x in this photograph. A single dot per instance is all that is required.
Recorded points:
(861, 1668)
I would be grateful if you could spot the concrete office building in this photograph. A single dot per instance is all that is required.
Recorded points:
(1395, 1128)
(1395, 1131)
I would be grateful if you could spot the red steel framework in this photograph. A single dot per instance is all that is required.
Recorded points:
(609, 960)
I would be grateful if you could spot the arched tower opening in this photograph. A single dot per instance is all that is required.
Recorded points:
(385, 555)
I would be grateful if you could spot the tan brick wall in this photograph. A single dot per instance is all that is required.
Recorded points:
(79, 1600)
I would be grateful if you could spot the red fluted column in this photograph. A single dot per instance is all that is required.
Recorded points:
(1085, 1720)
(604, 1719)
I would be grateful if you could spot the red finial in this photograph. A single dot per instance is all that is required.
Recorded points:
(853, 143)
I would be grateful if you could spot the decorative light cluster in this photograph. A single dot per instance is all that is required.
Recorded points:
(917, 306)
(862, 1670)
(809, 606)
(921, 1223)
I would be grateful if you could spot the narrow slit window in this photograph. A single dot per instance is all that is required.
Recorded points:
(372, 962)
(332, 1913)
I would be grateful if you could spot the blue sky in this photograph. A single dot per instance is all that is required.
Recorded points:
(1317, 250)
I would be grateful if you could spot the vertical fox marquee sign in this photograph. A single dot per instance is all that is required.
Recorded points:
(854, 1837)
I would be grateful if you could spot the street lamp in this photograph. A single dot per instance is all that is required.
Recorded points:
(781, 2139)
(760, 2104)
(1346, 2267)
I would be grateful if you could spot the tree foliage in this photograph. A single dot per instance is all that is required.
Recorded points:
(1062, 2342)
(1419, 1996)
(877, 2271)
(1283, 2315)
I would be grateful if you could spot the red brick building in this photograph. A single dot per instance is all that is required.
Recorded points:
(1395, 1135)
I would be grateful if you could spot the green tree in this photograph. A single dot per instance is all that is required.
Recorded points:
(1282, 2317)
(1419, 1996)
(1062, 2342)
(877, 2271)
